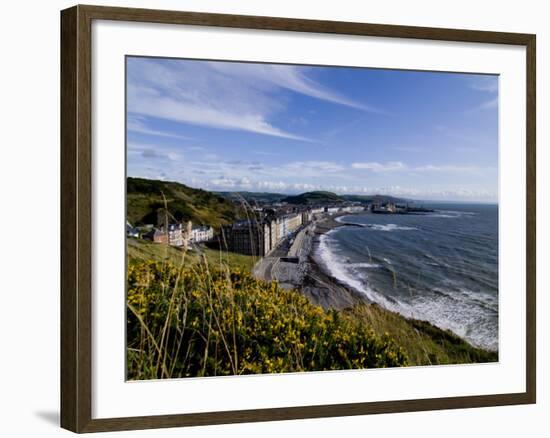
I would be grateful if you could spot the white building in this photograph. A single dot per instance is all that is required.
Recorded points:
(281, 228)
(201, 233)
(288, 224)
(353, 208)
(176, 235)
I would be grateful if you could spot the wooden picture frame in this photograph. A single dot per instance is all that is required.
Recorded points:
(76, 217)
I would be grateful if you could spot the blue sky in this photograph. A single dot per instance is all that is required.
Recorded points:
(290, 129)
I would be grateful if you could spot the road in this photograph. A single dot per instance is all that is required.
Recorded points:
(283, 263)
(293, 266)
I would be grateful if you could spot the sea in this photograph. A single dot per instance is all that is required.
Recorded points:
(440, 266)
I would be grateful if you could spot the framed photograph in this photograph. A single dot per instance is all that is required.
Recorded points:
(268, 218)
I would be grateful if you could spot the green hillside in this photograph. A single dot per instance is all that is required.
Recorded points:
(252, 197)
(310, 198)
(203, 321)
(144, 199)
(139, 250)
(367, 199)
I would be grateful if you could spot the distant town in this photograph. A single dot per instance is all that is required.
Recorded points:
(265, 228)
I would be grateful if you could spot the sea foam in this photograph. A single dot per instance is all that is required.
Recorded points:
(345, 272)
(389, 227)
(456, 310)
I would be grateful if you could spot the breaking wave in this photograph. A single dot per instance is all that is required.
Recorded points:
(468, 308)
(389, 227)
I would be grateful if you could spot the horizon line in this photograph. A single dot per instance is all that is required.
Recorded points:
(464, 201)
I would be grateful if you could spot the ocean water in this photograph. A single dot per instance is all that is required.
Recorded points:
(441, 267)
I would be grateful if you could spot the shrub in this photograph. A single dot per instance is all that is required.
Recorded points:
(195, 321)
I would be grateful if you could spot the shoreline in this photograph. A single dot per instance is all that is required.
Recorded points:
(311, 278)
(321, 286)
(295, 267)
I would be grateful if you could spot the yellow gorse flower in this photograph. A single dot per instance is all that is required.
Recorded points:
(201, 321)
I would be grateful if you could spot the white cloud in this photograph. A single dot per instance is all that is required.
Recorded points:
(448, 168)
(312, 167)
(476, 141)
(136, 124)
(272, 185)
(299, 171)
(488, 84)
(395, 166)
(390, 166)
(455, 193)
(458, 193)
(214, 173)
(211, 157)
(223, 95)
(488, 104)
(146, 102)
(289, 77)
(265, 153)
(228, 183)
(408, 148)
(493, 103)
(153, 152)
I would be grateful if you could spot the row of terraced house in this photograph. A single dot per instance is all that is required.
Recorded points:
(259, 237)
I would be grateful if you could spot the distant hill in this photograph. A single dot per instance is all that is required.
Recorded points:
(144, 200)
(368, 199)
(316, 197)
(311, 198)
(252, 197)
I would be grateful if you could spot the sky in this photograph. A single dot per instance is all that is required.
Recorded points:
(233, 126)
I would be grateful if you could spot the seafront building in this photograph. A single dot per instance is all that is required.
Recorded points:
(387, 207)
(270, 226)
(248, 237)
(289, 223)
(352, 208)
(332, 210)
(259, 237)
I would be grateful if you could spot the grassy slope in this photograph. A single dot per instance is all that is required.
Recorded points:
(144, 198)
(203, 322)
(252, 197)
(372, 198)
(423, 343)
(314, 198)
(143, 250)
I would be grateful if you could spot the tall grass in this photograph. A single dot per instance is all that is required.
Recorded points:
(210, 321)
(422, 342)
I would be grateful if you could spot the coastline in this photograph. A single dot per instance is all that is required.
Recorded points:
(297, 267)
(319, 285)
(294, 266)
